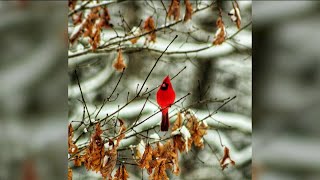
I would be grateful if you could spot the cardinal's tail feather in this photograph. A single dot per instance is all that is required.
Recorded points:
(165, 122)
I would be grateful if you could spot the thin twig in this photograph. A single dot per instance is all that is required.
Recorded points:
(84, 102)
(117, 84)
(155, 65)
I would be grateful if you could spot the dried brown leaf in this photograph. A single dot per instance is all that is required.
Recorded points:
(159, 172)
(220, 33)
(121, 133)
(110, 162)
(146, 157)
(226, 159)
(174, 10)
(198, 137)
(235, 14)
(180, 134)
(95, 152)
(170, 154)
(95, 39)
(150, 26)
(121, 173)
(197, 130)
(118, 63)
(188, 13)
(179, 143)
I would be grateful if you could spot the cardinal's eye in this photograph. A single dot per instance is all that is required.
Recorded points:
(164, 86)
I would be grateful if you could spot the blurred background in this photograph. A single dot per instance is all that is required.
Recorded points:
(223, 71)
(286, 84)
(34, 79)
(33, 90)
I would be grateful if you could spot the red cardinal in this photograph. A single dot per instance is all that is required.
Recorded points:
(165, 97)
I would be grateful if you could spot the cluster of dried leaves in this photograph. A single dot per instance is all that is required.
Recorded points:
(89, 25)
(186, 131)
(174, 10)
(96, 156)
(156, 158)
(221, 31)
